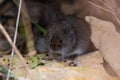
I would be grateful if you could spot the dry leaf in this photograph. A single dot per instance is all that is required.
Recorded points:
(107, 40)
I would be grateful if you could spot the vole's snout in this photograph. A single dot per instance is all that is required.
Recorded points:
(56, 43)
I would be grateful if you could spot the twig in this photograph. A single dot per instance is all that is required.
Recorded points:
(15, 37)
(28, 31)
(15, 48)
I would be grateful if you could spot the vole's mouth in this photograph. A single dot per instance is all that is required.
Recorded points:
(56, 42)
(56, 45)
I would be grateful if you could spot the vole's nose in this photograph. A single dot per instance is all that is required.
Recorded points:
(56, 44)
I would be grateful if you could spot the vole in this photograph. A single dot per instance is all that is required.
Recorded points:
(68, 36)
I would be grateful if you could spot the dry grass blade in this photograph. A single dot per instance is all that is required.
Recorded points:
(15, 38)
(15, 48)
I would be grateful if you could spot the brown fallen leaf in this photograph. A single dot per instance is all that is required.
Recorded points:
(80, 8)
(107, 40)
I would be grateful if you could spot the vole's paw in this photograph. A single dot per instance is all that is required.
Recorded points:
(49, 57)
(60, 58)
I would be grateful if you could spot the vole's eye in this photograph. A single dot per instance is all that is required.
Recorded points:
(51, 40)
(66, 31)
(60, 41)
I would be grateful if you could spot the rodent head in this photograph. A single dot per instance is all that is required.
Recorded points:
(56, 42)
(61, 38)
